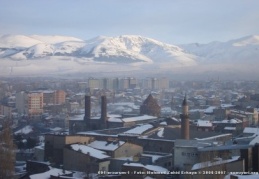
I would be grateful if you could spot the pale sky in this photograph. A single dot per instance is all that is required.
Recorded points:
(171, 21)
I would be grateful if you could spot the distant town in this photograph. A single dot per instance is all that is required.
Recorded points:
(125, 127)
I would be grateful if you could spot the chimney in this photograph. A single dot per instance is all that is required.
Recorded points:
(87, 107)
(104, 110)
(185, 120)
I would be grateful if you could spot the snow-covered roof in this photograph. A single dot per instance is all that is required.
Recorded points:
(154, 168)
(163, 123)
(25, 130)
(192, 143)
(139, 129)
(138, 118)
(89, 150)
(210, 109)
(166, 109)
(241, 113)
(51, 172)
(227, 105)
(77, 117)
(55, 129)
(106, 145)
(232, 121)
(125, 104)
(114, 119)
(214, 137)
(154, 157)
(254, 141)
(40, 147)
(92, 133)
(114, 115)
(49, 117)
(196, 110)
(175, 119)
(199, 97)
(230, 128)
(160, 132)
(44, 91)
(251, 130)
(202, 123)
(125, 158)
(198, 166)
(75, 103)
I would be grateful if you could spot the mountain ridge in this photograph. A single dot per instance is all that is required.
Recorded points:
(43, 55)
(125, 48)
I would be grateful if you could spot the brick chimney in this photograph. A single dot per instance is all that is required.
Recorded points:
(87, 107)
(185, 133)
(104, 110)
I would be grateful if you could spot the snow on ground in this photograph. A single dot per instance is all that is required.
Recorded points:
(25, 130)
(139, 129)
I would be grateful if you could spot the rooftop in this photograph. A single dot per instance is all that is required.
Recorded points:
(138, 118)
(106, 145)
(90, 151)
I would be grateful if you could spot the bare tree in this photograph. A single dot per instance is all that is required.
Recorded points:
(7, 152)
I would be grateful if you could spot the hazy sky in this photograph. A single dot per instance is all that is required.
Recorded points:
(171, 21)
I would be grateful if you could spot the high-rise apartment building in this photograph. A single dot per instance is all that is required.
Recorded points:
(124, 83)
(6, 111)
(59, 97)
(30, 103)
(132, 83)
(48, 97)
(34, 102)
(20, 102)
(163, 83)
(93, 83)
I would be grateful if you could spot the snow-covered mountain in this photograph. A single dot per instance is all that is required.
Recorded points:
(122, 49)
(244, 50)
(127, 54)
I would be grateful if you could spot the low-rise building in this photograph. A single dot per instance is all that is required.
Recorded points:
(117, 148)
(80, 157)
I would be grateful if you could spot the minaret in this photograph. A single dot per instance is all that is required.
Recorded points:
(185, 120)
